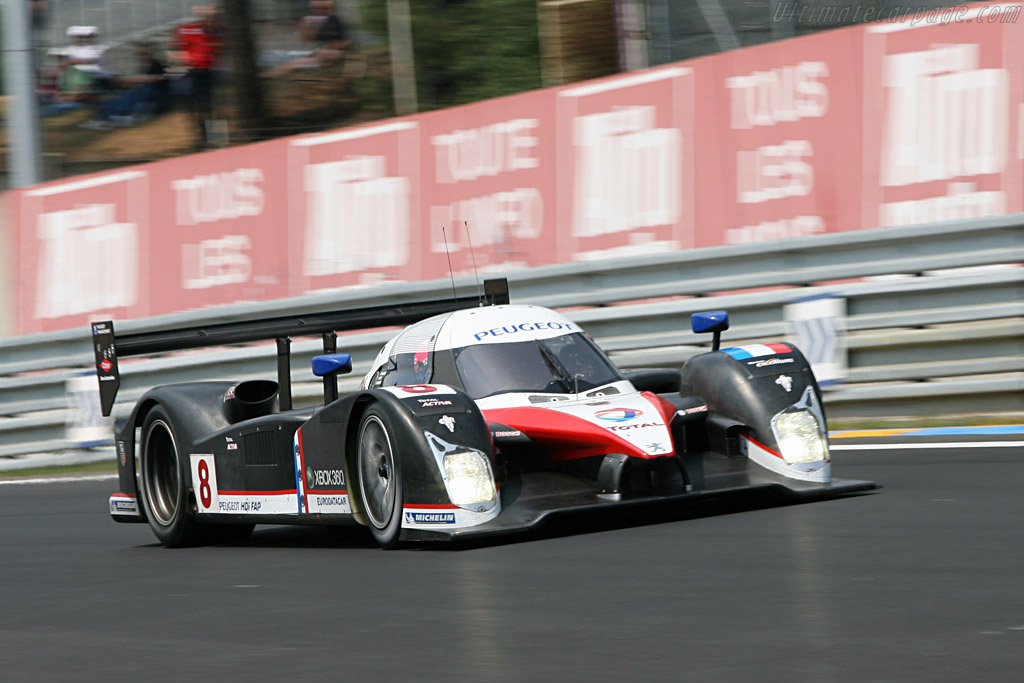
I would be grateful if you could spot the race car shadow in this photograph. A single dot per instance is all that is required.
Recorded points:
(579, 523)
(342, 536)
(353, 536)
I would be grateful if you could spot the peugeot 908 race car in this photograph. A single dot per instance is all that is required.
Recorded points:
(476, 419)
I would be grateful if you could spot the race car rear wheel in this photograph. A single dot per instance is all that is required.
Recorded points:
(163, 483)
(380, 478)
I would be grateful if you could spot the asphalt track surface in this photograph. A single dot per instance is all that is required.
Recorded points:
(920, 581)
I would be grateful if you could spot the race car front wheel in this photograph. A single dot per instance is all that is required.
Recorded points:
(163, 483)
(380, 478)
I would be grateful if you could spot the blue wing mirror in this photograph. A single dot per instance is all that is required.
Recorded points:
(332, 364)
(329, 366)
(711, 321)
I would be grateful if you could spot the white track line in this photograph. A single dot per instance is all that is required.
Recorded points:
(57, 479)
(907, 446)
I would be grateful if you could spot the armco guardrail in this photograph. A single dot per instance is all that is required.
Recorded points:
(925, 340)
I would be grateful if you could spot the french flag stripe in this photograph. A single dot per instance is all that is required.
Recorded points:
(757, 350)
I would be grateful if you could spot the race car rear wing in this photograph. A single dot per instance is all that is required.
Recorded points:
(108, 346)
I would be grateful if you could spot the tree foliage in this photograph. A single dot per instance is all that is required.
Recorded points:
(468, 50)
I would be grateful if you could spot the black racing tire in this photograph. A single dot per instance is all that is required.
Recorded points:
(162, 474)
(380, 476)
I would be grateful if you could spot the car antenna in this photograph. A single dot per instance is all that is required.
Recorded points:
(479, 289)
(448, 253)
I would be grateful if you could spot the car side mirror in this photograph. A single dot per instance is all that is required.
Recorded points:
(329, 366)
(715, 322)
(332, 364)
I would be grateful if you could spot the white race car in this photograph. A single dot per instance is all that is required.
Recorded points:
(478, 419)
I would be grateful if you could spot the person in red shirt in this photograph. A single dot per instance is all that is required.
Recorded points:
(197, 46)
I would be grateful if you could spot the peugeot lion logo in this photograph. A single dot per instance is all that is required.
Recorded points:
(785, 381)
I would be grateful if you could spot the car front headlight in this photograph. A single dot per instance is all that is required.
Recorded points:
(468, 478)
(799, 436)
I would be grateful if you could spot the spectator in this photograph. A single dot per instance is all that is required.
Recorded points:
(78, 76)
(86, 56)
(64, 88)
(197, 46)
(326, 36)
(147, 94)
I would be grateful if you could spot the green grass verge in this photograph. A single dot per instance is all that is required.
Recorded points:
(105, 467)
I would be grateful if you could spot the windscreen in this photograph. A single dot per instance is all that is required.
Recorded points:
(560, 365)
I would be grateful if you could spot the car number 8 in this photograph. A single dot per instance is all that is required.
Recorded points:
(205, 494)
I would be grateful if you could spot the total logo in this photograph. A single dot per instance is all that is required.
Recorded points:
(618, 414)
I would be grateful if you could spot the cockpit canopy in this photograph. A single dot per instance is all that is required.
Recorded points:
(494, 350)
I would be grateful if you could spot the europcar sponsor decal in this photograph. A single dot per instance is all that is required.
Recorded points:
(757, 351)
(444, 517)
(325, 502)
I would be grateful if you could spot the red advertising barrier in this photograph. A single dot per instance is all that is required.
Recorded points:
(788, 126)
(626, 165)
(487, 177)
(351, 200)
(217, 228)
(942, 117)
(884, 124)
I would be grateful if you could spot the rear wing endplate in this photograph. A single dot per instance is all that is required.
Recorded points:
(108, 346)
